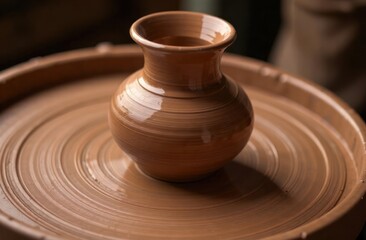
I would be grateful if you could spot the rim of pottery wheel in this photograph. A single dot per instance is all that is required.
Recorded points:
(29, 78)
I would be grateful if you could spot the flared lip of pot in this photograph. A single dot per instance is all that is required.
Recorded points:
(228, 39)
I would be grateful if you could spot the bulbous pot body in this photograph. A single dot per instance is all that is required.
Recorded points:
(180, 118)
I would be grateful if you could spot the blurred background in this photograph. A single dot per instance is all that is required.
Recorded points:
(267, 30)
(40, 27)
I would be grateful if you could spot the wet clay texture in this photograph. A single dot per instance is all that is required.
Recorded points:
(180, 118)
(63, 176)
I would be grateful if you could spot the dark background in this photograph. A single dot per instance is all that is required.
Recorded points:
(34, 28)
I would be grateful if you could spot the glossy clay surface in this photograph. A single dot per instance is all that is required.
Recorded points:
(63, 176)
(179, 117)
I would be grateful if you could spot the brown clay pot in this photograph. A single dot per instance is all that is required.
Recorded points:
(180, 118)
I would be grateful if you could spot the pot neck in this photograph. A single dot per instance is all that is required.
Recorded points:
(193, 70)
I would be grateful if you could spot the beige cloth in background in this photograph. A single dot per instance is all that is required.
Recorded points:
(325, 41)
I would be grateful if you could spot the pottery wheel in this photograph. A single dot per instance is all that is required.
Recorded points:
(63, 175)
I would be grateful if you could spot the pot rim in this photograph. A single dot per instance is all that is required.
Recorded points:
(229, 35)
